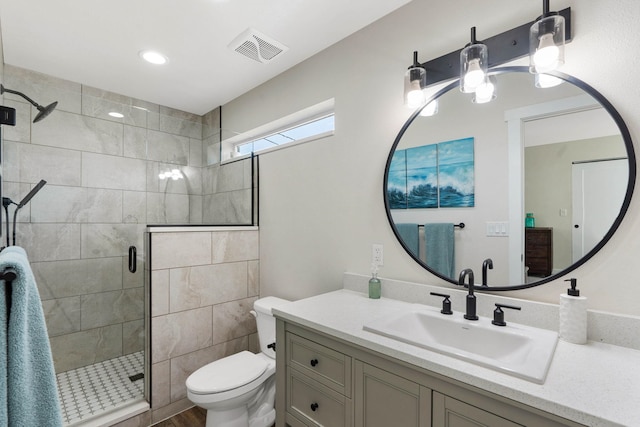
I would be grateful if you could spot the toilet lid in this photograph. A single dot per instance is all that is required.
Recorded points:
(227, 373)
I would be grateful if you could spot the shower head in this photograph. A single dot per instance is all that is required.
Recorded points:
(31, 194)
(42, 111)
(6, 202)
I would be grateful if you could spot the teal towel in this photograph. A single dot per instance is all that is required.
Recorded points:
(28, 384)
(409, 235)
(440, 244)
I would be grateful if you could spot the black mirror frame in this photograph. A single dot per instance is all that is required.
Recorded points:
(626, 136)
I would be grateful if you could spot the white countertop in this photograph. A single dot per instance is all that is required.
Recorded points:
(594, 384)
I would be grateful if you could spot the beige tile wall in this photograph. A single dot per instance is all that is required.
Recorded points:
(102, 190)
(200, 303)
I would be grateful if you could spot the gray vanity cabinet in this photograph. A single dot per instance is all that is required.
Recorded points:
(383, 399)
(449, 412)
(318, 384)
(326, 381)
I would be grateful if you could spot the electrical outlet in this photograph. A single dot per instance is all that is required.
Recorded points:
(377, 255)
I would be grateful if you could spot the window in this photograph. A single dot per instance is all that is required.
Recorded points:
(306, 125)
(314, 129)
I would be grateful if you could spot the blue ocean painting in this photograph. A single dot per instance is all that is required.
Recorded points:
(422, 177)
(456, 180)
(397, 181)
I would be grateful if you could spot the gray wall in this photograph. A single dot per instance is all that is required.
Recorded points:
(323, 202)
(549, 166)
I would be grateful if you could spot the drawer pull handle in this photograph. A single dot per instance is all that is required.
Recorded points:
(314, 362)
(314, 407)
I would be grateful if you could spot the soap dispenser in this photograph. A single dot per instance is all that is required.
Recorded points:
(374, 283)
(573, 315)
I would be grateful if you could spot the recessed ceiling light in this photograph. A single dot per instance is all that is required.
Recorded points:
(116, 115)
(154, 57)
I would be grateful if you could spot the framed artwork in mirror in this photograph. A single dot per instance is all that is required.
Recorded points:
(432, 176)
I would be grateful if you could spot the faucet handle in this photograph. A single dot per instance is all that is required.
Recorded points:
(446, 303)
(498, 314)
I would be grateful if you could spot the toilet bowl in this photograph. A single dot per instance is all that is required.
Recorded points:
(239, 390)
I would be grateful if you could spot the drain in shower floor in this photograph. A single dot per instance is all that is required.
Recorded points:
(136, 377)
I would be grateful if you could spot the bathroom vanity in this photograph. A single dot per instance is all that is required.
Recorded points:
(331, 372)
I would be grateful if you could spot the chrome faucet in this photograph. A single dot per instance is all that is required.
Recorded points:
(471, 298)
(488, 263)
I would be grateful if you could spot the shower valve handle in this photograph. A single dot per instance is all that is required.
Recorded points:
(132, 259)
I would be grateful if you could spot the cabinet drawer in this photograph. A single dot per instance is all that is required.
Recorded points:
(537, 263)
(537, 252)
(314, 404)
(449, 412)
(327, 366)
(538, 238)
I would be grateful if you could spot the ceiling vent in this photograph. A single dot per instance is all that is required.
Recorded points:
(257, 46)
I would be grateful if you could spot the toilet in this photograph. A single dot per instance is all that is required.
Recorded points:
(239, 390)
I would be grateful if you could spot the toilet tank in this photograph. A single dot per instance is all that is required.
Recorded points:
(266, 322)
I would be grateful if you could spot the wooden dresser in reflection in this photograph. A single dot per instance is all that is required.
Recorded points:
(538, 250)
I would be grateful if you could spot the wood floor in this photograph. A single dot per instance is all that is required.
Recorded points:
(194, 417)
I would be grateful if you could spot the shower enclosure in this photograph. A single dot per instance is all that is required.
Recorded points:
(107, 178)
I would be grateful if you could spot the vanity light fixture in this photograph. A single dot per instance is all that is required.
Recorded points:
(486, 91)
(543, 40)
(415, 92)
(474, 60)
(507, 46)
(415, 80)
(546, 41)
(431, 109)
(547, 80)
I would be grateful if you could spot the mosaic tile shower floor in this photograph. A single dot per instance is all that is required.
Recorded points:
(92, 390)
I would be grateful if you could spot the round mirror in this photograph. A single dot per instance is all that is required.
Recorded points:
(524, 188)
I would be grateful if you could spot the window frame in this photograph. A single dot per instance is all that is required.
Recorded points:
(305, 116)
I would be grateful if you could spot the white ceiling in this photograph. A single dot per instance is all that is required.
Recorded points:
(575, 126)
(97, 42)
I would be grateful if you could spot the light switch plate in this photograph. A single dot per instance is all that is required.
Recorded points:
(497, 229)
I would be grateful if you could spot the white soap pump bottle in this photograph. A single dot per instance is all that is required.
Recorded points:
(573, 315)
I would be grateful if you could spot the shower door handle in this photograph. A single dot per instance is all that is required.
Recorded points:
(132, 259)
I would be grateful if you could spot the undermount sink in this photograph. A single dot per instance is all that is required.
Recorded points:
(518, 350)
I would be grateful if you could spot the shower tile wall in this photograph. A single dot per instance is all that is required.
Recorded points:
(226, 188)
(200, 303)
(102, 190)
(227, 193)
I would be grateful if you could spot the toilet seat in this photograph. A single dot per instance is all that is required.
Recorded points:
(227, 374)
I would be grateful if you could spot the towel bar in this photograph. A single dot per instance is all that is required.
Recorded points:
(461, 225)
(8, 275)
